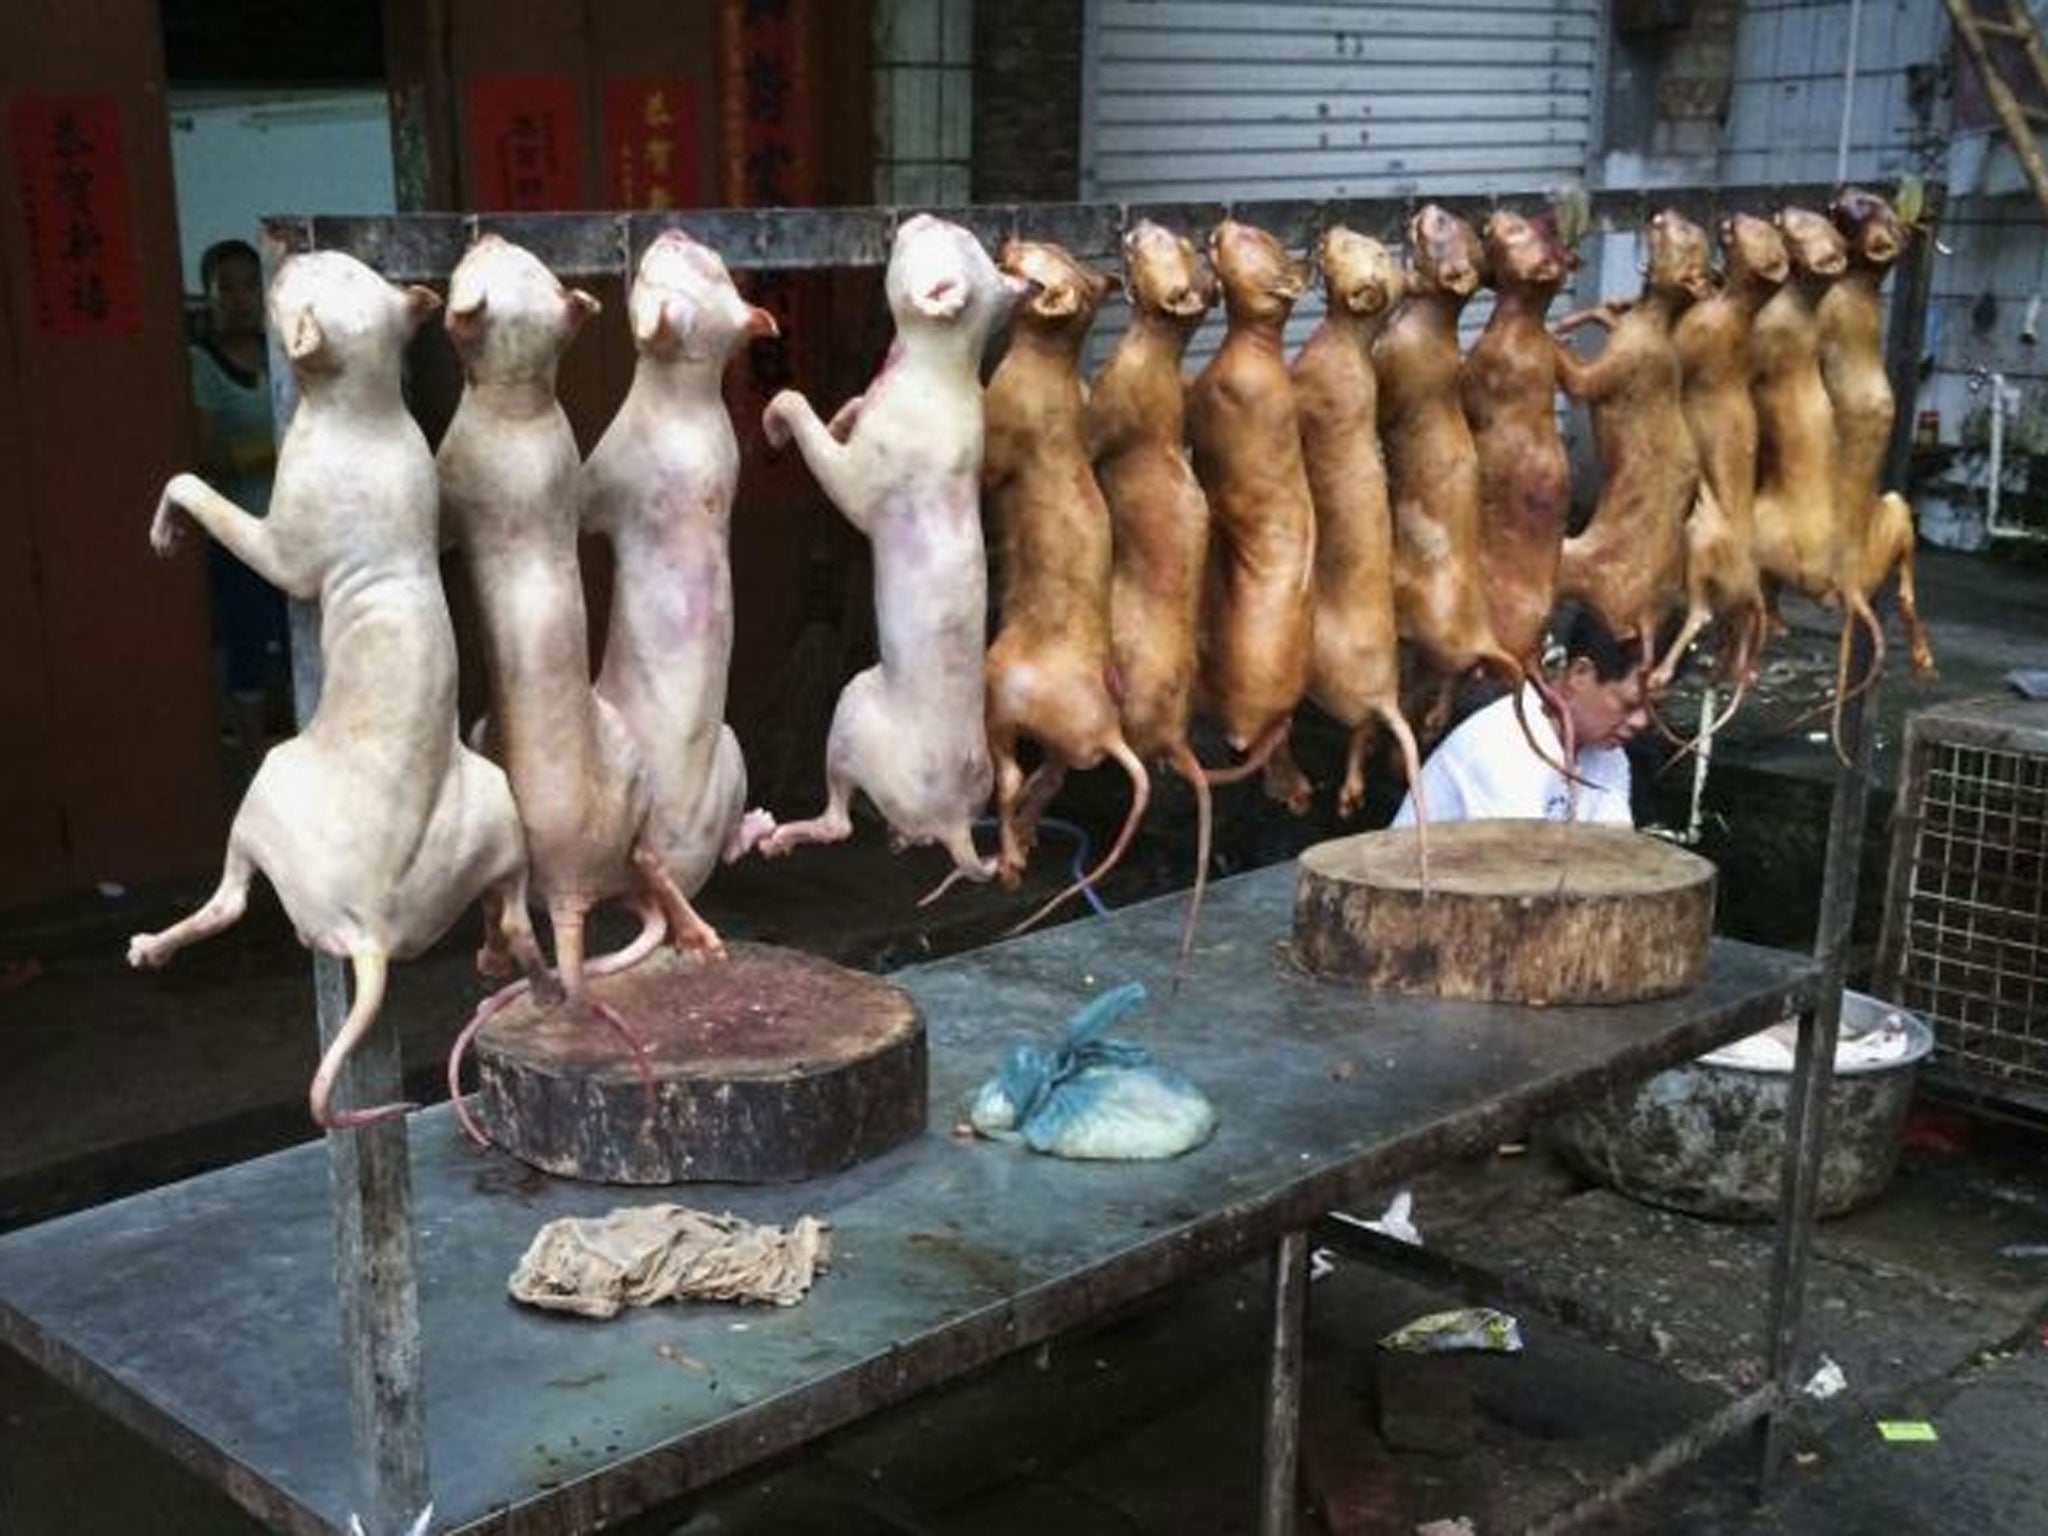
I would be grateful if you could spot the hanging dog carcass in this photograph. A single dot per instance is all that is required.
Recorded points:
(1259, 609)
(660, 484)
(1873, 526)
(903, 464)
(375, 824)
(1050, 674)
(508, 470)
(1355, 674)
(1159, 518)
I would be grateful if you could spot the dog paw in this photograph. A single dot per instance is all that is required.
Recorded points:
(167, 528)
(776, 418)
(752, 829)
(702, 941)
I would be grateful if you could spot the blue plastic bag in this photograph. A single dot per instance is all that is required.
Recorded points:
(1093, 1097)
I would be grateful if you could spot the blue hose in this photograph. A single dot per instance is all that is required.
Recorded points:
(1083, 846)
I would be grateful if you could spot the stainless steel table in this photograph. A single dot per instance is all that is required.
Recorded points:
(204, 1313)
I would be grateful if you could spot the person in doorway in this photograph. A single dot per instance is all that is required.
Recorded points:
(1487, 768)
(237, 453)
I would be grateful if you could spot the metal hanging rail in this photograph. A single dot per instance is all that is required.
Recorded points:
(420, 247)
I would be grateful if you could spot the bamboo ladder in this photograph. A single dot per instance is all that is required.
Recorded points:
(1981, 23)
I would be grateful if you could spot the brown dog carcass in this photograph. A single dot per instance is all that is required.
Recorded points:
(1259, 609)
(1873, 529)
(1159, 518)
(1797, 526)
(902, 462)
(660, 486)
(1355, 671)
(1049, 669)
(1712, 336)
(508, 470)
(1432, 466)
(1508, 383)
(1795, 469)
(375, 824)
(1628, 564)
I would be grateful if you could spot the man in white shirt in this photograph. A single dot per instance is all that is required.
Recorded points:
(1486, 767)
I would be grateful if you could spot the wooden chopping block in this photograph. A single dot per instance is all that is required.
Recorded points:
(1517, 911)
(771, 1065)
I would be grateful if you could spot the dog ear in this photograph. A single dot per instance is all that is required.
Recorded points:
(581, 306)
(1367, 296)
(306, 338)
(419, 303)
(761, 323)
(945, 298)
(464, 316)
(658, 317)
(1053, 301)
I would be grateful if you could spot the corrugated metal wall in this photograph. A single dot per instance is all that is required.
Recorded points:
(1784, 126)
(1234, 100)
(1785, 109)
(1225, 100)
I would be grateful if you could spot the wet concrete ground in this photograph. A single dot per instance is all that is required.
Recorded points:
(1933, 1300)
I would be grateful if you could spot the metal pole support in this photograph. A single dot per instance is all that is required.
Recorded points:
(1282, 1451)
(369, 1167)
(370, 1172)
(1813, 1073)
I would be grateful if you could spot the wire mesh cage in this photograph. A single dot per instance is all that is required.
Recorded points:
(1965, 940)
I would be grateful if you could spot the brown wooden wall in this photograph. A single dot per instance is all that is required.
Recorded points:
(108, 764)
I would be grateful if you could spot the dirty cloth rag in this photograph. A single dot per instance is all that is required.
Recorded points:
(639, 1255)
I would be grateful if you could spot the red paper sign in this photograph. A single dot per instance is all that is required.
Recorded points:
(650, 144)
(765, 115)
(767, 109)
(523, 145)
(73, 182)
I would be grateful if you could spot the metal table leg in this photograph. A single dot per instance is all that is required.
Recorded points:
(376, 1285)
(1282, 1452)
(1806, 1113)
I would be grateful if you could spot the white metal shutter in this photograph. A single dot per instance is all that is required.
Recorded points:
(1187, 99)
(1225, 100)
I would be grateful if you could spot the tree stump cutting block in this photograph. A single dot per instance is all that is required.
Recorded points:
(1517, 911)
(770, 1066)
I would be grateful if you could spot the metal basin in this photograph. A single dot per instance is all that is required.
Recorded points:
(1709, 1139)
